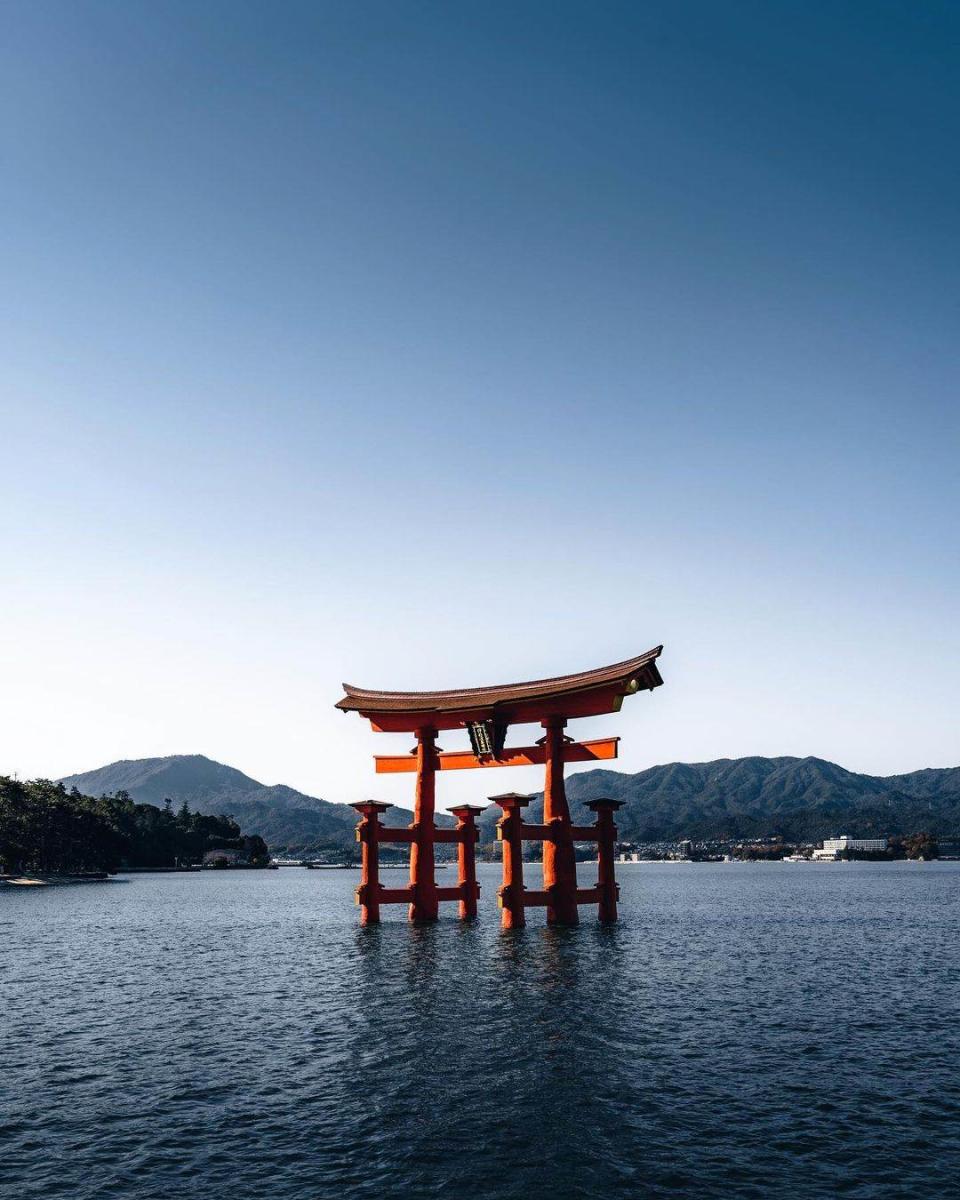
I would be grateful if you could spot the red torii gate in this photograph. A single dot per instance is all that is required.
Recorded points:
(487, 713)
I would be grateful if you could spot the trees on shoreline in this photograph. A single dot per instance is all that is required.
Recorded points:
(49, 830)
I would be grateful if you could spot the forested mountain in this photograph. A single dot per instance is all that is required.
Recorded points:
(801, 798)
(285, 818)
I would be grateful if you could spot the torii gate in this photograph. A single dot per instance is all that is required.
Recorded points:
(487, 713)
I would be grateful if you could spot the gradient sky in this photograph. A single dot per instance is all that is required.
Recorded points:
(426, 344)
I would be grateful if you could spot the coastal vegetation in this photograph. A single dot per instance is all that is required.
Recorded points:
(47, 829)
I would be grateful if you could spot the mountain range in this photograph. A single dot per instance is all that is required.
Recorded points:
(802, 799)
(284, 817)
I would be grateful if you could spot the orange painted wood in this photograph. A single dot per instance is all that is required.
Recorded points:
(458, 892)
(597, 750)
(510, 896)
(559, 860)
(606, 846)
(369, 892)
(542, 833)
(539, 899)
(402, 895)
(468, 835)
(423, 902)
(449, 835)
(397, 835)
(399, 895)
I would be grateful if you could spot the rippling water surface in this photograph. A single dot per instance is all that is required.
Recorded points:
(769, 1031)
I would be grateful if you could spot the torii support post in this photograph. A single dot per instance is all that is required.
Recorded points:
(606, 843)
(469, 834)
(510, 835)
(424, 905)
(368, 835)
(559, 860)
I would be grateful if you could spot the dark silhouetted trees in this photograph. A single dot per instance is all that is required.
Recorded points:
(45, 828)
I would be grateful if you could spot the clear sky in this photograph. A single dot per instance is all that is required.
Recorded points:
(426, 344)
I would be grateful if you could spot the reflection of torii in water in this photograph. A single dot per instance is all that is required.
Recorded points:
(487, 713)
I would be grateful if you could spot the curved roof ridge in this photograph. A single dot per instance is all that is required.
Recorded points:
(358, 697)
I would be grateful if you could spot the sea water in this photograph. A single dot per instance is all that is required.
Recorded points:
(767, 1030)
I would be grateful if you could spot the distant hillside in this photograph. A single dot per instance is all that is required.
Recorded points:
(801, 798)
(283, 817)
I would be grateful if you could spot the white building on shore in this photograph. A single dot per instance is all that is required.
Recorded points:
(833, 847)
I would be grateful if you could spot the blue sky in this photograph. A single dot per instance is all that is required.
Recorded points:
(424, 344)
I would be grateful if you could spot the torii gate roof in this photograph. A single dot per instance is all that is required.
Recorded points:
(586, 694)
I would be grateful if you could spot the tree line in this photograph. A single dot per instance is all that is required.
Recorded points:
(48, 830)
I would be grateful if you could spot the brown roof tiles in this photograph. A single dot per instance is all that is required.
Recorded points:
(642, 668)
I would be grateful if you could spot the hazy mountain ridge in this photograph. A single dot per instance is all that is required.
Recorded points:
(801, 798)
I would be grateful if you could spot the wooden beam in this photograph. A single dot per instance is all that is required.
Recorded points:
(402, 895)
(536, 833)
(458, 892)
(399, 895)
(600, 749)
(448, 835)
(396, 835)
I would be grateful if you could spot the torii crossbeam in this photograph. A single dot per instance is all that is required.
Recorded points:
(487, 713)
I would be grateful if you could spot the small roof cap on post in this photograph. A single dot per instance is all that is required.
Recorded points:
(465, 810)
(511, 800)
(605, 802)
(370, 806)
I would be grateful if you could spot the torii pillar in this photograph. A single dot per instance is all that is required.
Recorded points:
(469, 835)
(511, 895)
(559, 860)
(368, 835)
(608, 891)
(424, 907)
